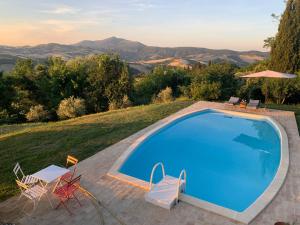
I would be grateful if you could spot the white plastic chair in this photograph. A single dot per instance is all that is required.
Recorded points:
(28, 180)
(33, 193)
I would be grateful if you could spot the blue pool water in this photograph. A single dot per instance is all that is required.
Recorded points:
(229, 160)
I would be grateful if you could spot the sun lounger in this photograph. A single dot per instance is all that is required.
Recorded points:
(233, 101)
(253, 104)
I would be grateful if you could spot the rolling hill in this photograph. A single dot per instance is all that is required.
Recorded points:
(141, 57)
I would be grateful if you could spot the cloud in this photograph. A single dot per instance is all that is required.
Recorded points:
(61, 9)
(142, 5)
(68, 25)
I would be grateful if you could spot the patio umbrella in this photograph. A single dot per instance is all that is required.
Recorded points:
(270, 74)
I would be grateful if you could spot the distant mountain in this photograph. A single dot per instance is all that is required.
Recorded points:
(114, 44)
(141, 57)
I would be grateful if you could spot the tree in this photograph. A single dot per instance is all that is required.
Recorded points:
(24, 68)
(24, 88)
(7, 92)
(42, 92)
(206, 90)
(281, 89)
(161, 77)
(77, 75)
(285, 52)
(108, 81)
(59, 88)
(215, 82)
(269, 42)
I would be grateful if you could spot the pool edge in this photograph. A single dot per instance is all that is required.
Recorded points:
(254, 209)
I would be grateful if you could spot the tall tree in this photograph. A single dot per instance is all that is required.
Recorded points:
(108, 81)
(24, 87)
(215, 82)
(6, 91)
(285, 52)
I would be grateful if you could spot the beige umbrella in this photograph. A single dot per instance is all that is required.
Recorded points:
(269, 74)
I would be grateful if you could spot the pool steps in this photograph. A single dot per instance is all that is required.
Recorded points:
(166, 192)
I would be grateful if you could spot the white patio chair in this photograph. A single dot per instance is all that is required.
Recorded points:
(28, 180)
(33, 193)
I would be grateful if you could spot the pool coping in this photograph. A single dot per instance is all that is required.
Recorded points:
(254, 209)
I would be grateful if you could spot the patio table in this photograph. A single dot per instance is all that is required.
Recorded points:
(50, 174)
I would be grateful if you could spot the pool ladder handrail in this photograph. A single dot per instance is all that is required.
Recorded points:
(182, 173)
(153, 170)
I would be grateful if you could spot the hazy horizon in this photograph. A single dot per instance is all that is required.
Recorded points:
(33, 45)
(216, 24)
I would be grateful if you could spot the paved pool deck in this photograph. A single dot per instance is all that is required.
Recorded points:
(128, 204)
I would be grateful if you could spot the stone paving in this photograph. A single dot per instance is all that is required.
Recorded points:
(127, 202)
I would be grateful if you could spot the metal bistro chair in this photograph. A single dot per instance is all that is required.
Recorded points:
(26, 179)
(71, 161)
(33, 193)
(67, 192)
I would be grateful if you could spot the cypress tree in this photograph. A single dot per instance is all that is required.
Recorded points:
(285, 51)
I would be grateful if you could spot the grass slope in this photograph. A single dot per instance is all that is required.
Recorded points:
(36, 146)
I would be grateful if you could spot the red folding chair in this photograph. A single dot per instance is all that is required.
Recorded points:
(71, 161)
(67, 192)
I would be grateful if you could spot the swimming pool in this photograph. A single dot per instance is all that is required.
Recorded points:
(230, 159)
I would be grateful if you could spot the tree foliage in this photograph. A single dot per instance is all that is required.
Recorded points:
(285, 52)
(108, 81)
(164, 96)
(37, 114)
(206, 90)
(98, 79)
(66, 89)
(269, 42)
(215, 82)
(147, 87)
(71, 107)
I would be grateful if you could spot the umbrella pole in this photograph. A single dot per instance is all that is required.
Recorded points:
(267, 94)
(250, 91)
(267, 90)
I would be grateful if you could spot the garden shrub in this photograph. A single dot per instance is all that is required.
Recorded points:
(126, 102)
(164, 96)
(71, 108)
(113, 105)
(37, 114)
(4, 116)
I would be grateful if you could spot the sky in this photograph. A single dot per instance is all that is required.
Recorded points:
(216, 24)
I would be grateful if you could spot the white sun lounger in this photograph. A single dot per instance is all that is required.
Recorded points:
(253, 104)
(233, 101)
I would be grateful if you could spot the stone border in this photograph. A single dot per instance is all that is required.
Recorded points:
(253, 210)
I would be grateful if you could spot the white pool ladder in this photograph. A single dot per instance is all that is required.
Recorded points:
(166, 192)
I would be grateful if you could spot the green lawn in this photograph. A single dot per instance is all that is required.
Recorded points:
(294, 108)
(36, 146)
